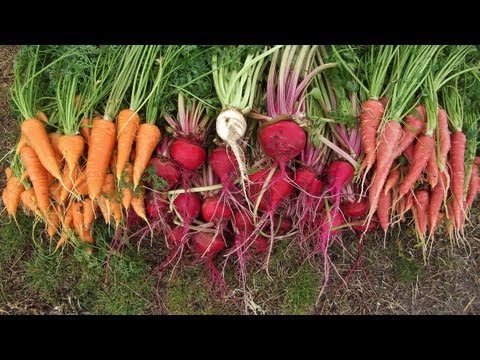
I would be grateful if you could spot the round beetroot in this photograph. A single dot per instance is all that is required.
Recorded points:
(174, 239)
(223, 163)
(355, 209)
(214, 210)
(363, 227)
(188, 205)
(156, 207)
(277, 189)
(207, 243)
(260, 245)
(339, 173)
(307, 180)
(243, 222)
(187, 153)
(164, 168)
(283, 140)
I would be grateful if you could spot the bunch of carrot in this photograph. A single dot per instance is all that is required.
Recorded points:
(309, 142)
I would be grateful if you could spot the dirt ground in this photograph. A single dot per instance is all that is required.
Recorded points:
(390, 281)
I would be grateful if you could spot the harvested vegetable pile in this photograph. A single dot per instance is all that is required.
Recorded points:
(309, 142)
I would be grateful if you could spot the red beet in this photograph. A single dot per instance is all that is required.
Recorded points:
(174, 239)
(283, 140)
(260, 245)
(277, 189)
(284, 227)
(214, 210)
(307, 180)
(243, 222)
(156, 207)
(166, 169)
(207, 244)
(339, 173)
(355, 209)
(187, 153)
(362, 228)
(223, 163)
(188, 205)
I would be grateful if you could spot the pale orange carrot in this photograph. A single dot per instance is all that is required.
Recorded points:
(370, 117)
(423, 151)
(148, 136)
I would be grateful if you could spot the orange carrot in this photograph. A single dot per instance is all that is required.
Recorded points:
(127, 125)
(86, 129)
(387, 144)
(444, 138)
(53, 221)
(383, 210)
(37, 136)
(29, 201)
(102, 142)
(38, 176)
(370, 117)
(432, 168)
(420, 211)
(68, 220)
(42, 117)
(14, 190)
(77, 216)
(108, 192)
(414, 124)
(71, 147)
(457, 156)
(88, 214)
(56, 191)
(21, 143)
(54, 138)
(126, 190)
(423, 150)
(138, 204)
(8, 172)
(103, 208)
(81, 187)
(116, 212)
(68, 182)
(148, 136)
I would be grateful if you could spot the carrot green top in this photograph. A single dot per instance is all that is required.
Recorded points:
(411, 68)
(29, 65)
(122, 80)
(166, 62)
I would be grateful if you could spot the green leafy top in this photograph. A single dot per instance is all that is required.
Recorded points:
(236, 71)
